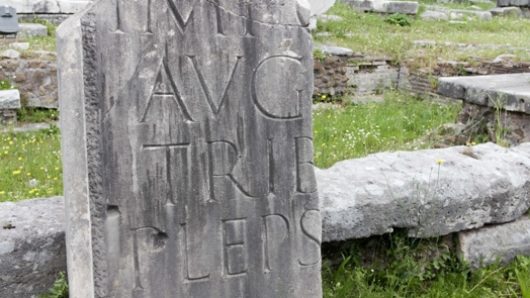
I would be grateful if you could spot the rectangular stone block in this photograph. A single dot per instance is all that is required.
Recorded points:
(9, 99)
(490, 244)
(187, 150)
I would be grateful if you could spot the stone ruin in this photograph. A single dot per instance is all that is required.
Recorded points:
(187, 150)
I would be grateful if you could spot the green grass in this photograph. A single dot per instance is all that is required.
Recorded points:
(395, 266)
(59, 288)
(30, 165)
(355, 131)
(36, 115)
(46, 43)
(370, 34)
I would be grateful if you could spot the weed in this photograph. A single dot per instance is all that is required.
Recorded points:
(59, 288)
(397, 266)
(5, 85)
(398, 19)
(32, 115)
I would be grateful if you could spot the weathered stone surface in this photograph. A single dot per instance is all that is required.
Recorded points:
(461, 14)
(47, 6)
(404, 7)
(9, 54)
(9, 99)
(510, 92)
(383, 6)
(474, 186)
(495, 243)
(432, 15)
(21, 46)
(187, 150)
(32, 250)
(32, 30)
(507, 11)
(319, 7)
(334, 50)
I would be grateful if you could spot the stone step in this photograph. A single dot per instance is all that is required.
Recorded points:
(495, 243)
(9, 99)
(32, 30)
(403, 7)
(510, 92)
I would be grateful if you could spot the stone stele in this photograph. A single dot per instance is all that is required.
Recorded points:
(187, 149)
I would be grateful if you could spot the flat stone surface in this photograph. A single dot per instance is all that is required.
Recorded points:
(32, 250)
(319, 7)
(28, 127)
(21, 46)
(9, 99)
(511, 92)
(431, 15)
(9, 54)
(507, 11)
(190, 172)
(473, 187)
(334, 50)
(47, 6)
(496, 243)
(32, 30)
(404, 7)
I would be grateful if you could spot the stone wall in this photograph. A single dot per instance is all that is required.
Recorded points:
(353, 75)
(34, 74)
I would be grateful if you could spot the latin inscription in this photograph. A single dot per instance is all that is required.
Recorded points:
(212, 152)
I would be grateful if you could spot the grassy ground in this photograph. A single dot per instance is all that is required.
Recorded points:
(369, 33)
(395, 266)
(37, 43)
(30, 165)
(356, 131)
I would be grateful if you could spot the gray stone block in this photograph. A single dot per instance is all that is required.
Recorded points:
(510, 92)
(187, 150)
(507, 11)
(432, 15)
(403, 7)
(410, 190)
(32, 250)
(319, 7)
(334, 50)
(31, 30)
(47, 6)
(490, 244)
(9, 99)
(522, 3)
(503, 3)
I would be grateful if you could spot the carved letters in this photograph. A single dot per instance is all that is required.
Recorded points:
(200, 181)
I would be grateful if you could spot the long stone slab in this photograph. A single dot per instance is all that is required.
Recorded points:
(510, 92)
(187, 150)
(32, 248)
(430, 192)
